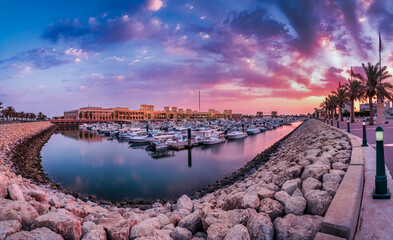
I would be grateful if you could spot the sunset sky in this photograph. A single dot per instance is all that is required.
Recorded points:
(242, 55)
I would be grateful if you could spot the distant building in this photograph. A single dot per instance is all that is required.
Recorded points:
(260, 114)
(145, 112)
(366, 107)
(274, 114)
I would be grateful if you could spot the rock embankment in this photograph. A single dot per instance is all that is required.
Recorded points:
(282, 199)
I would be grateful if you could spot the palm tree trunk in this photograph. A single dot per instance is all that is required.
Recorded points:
(340, 112)
(370, 105)
(352, 111)
(380, 111)
(335, 113)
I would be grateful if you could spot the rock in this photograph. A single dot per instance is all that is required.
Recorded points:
(17, 210)
(318, 202)
(297, 193)
(63, 223)
(265, 193)
(332, 177)
(291, 185)
(239, 216)
(76, 210)
(15, 192)
(260, 226)
(310, 184)
(272, 208)
(184, 202)
(200, 235)
(41, 208)
(297, 227)
(95, 233)
(164, 220)
(339, 172)
(3, 191)
(315, 170)
(56, 203)
(237, 232)
(181, 234)
(145, 228)
(340, 166)
(295, 205)
(87, 226)
(36, 234)
(39, 196)
(217, 231)
(182, 213)
(192, 222)
(233, 201)
(250, 200)
(174, 219)
(120, 229)
(282, 197)
(169, 227)
(9, 227)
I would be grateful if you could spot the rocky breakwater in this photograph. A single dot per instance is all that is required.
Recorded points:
(283, 199)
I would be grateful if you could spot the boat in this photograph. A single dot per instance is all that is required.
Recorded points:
(262, 129)
(177, 144)
(157, 146)
(236, 135)
(140, 139)
(213, 140)
(252, 130)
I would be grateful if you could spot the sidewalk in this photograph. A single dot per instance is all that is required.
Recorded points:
(357, 130)
(375, 215)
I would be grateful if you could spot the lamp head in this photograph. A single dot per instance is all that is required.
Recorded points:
(364, 122)
(379, 133)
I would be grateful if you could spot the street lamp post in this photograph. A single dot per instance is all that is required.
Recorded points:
(338, 123)
(348, 129)
(331, 122)
(381, 190)
(364, 143)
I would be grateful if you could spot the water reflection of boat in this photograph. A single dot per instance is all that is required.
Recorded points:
(213, 140)
(161, 154)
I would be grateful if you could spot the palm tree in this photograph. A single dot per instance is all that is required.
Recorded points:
(323, 105)
(356, 91)
(341, 98)
(374, 77)
(9, 112)
(332, 105)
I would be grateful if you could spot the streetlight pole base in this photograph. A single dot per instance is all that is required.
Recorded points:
(381, 196)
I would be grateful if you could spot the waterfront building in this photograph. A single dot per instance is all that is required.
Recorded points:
(260, 114)
(145, 112)
(274, 114)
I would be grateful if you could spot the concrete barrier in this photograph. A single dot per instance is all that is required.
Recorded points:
(324, 236)
(342, 216)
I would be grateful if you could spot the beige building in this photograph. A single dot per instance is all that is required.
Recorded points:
(145, 112)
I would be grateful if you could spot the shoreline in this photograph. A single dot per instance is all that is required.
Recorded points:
(30, 149)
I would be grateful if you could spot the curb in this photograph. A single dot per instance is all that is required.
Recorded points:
(342, 216)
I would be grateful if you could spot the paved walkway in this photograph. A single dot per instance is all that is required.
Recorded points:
(357, 130)
(375, 215)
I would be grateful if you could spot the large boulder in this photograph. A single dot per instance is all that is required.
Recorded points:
(217, 231)
(282, 197)
(331, 182)
(39, 196)
(295, 205)
(192, 222)
(95, 233)
(17, 210)
(318, 202)
(181, 234)
(315, 170)
(340, 166)
(297, 227)
(260, 226)
(291, 185)
(3, 190)
(184, 202)
(237, 232)
(145, 228)
(9, 227)
(120, 229)
(37, 234)
(61, 222)
(310, 184)
(15, 192)
(264, 193)
(250, 200)
(233, 201)
(271, 207)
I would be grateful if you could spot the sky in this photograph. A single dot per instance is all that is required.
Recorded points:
(243, 55)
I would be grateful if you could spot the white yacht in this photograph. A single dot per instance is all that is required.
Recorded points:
(213, 140)
(236, 134)
(252, 130)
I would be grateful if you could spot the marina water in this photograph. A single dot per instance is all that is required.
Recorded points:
(88, 163)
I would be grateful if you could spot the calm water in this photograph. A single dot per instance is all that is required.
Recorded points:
(88, 163)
